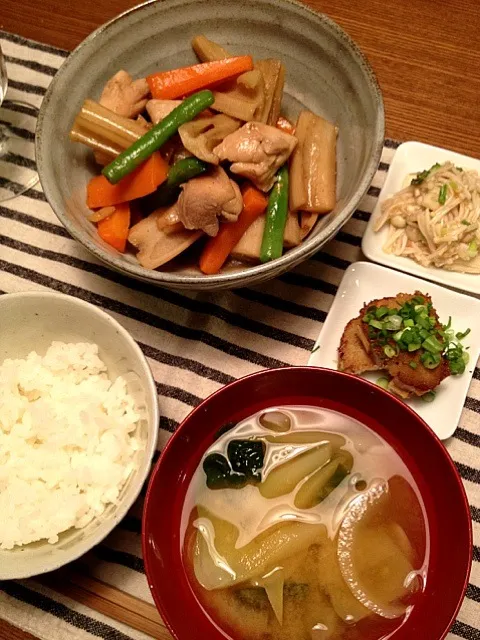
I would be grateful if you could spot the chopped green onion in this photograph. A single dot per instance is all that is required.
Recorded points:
(432, 345)
(454, 185)
(367, 317)
(442, 196)
(381, 312)
(383, 382)
(472, 249)
(398, 336)
(429, 396)
(414, 346)
(430, 360)
(466, 223)
(389, 351)
(409, 322)
(461, 336)
(413, 364)
(459, 168)
(392, 312)
(393, 323)
(423, 175)
(376, 323)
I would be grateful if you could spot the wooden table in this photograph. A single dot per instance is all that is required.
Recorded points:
(423, 51)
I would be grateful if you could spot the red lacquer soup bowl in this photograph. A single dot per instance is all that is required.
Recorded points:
(432, 468)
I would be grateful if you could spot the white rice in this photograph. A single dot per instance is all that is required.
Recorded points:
(66, 442)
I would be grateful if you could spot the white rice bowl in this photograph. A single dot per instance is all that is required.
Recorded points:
(67, 442)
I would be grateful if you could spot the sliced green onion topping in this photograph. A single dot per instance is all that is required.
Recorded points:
(383, 382)
(442, 196)
(381, 312)
(393, 323)
(461, 336)
(430, 360)
(413, 364)
(389, 351)
(429, 396)
(432, 344)
(376, 324)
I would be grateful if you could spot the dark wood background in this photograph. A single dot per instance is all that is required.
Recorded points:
(425, 53)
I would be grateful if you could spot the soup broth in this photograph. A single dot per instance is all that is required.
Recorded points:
(301, 523)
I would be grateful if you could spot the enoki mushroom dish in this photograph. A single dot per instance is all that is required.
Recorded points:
(435, 219)
(200, 161)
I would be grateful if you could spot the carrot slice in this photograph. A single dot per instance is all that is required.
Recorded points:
(285, 125)
(176, 83)
(144, 180)
(114, 229)
(217, 249)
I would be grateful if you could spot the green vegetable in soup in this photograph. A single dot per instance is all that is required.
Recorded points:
(242, 466)
(246, 456)
(305, 437)
(285, 477)
(275, 421)
(321, 484)
(252, 598)
(251, 561)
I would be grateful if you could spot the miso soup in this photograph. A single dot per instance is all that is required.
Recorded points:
(303, 524)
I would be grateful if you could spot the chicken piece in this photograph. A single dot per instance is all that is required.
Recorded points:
(155, 245)
(257, 151)
(406, 381)
(353, 356)
(159, 109)
(207, 197)
(125, 96)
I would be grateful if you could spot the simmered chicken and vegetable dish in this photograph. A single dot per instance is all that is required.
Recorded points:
(203, 156)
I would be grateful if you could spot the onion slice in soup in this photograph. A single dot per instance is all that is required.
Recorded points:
(375, 561)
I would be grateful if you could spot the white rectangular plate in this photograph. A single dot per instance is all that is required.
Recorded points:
(412, 157)
(364, 282)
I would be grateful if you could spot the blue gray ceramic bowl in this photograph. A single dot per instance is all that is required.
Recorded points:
(326, 73)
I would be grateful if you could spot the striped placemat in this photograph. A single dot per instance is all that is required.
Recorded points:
(195, 343)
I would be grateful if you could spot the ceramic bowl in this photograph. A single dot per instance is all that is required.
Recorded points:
(446, 505)
(326, 73)
(30, 322)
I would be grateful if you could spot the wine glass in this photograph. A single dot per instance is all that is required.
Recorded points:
(18, 171)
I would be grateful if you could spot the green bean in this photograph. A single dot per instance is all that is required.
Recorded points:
(277, 212)
(139, 151)
(168, 191)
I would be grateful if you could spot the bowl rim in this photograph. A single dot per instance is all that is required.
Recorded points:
(254, 273)
(54, 562)
(178, 435)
